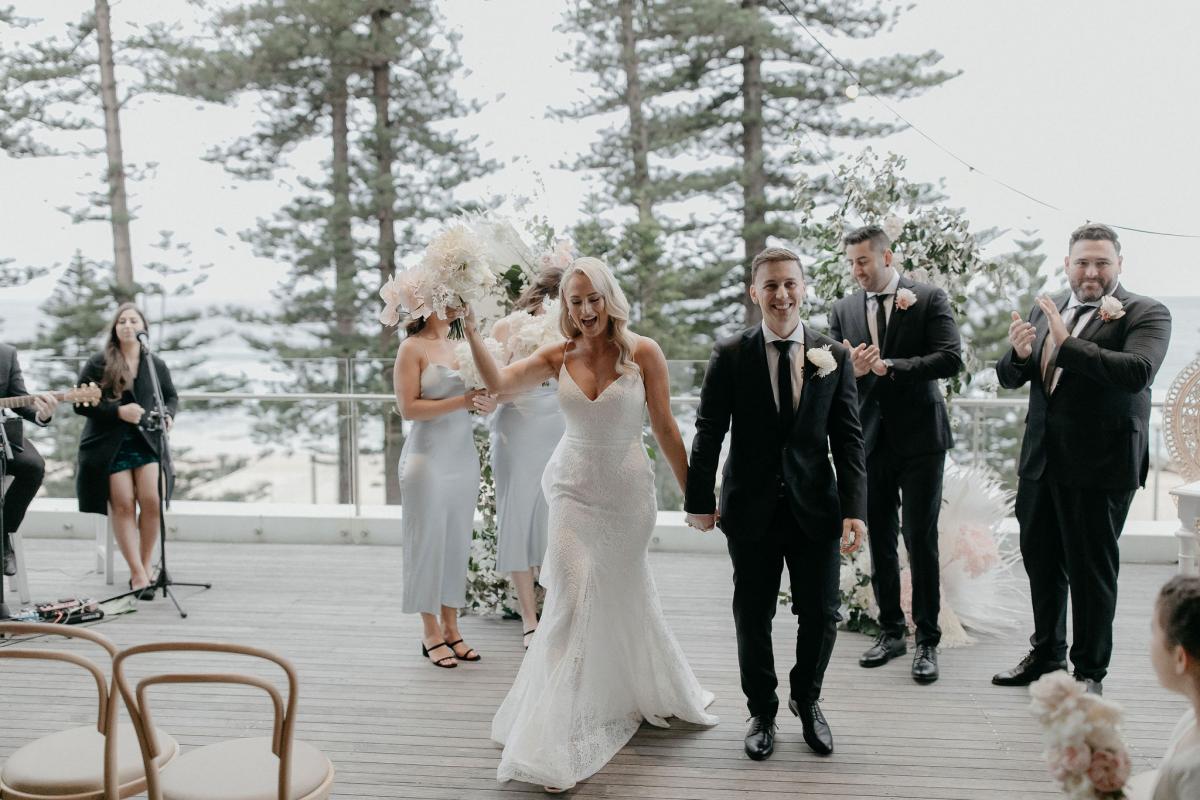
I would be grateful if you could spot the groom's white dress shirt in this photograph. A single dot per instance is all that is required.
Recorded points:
(797, 356)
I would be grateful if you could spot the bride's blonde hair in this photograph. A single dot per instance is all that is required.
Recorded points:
(615, 304)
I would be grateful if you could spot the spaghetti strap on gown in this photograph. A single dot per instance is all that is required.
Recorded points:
(603, 659)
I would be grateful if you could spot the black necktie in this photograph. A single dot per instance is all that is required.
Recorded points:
(881, 319)
(784, 346)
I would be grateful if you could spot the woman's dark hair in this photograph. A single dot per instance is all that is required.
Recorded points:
(415, 326)
(1178, 608)
(117, 375)
(543, 286)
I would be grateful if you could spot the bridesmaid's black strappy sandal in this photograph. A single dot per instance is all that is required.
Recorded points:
(527, 634)
(440, 662)
(466, 656)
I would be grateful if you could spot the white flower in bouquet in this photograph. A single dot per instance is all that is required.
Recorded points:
(455, 270)
(893, 226)
(521, 333)
(467, 369)
(502, 246)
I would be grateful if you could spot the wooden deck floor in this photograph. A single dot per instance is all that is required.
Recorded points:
(395, 727)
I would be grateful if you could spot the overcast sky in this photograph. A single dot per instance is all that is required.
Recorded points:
(1090, 105)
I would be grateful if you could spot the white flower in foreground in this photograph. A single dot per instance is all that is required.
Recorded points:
(823, 359)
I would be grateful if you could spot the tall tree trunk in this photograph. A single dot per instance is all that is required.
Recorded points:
(754, 179)
(118, 204)
(385, 212)
(341, 238)
(639, 142)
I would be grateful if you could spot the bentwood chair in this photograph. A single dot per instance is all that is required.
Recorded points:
(276, 767)
(93, 762)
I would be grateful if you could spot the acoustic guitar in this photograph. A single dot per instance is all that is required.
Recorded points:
(82, 395)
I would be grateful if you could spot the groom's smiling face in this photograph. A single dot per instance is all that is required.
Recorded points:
(778, 290)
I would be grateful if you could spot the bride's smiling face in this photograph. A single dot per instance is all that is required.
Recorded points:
(586, 306)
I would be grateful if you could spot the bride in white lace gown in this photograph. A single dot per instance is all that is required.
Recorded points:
(603, 658)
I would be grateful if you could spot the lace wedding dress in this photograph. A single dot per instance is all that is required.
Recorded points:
(603, 659)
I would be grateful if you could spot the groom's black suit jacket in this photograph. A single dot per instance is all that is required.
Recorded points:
(737, 393)
(924, 345)
(1093, 431)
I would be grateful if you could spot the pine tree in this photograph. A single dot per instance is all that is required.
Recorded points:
(318, 66)
(726, 91)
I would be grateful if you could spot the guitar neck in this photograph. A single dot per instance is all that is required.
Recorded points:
(26, 400)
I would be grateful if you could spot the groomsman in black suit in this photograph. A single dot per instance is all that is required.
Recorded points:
(1090, 356)
(903, 339)
(793, 487)
(26, 466)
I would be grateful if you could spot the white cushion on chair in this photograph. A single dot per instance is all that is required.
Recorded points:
(244, 769)
(72, 762)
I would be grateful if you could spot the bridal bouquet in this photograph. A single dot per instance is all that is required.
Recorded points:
(1084, 750)
(466, 363)
(521, 333)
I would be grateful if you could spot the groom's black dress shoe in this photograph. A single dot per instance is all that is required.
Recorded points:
(925, 666)
(1029, 670)
(816, 730)
(760, 737)
(886, 648)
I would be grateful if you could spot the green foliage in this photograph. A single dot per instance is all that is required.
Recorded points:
(931, 242)
(732, 95)
(489, 593)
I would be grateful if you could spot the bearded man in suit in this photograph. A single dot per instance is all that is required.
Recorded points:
(1090, 355)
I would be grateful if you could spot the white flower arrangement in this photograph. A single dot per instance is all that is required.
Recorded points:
(466, 364)
(823, 359)
(905, 299)
(521, 333)
(893, 226)
(1084, 751)
(1111, 308)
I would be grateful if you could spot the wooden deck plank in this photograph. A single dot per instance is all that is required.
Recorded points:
(397, 728)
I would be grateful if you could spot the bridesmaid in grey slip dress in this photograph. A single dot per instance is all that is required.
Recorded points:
(439, 483)
(525, 430)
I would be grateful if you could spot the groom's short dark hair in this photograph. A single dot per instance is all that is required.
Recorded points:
(868, 233)
(774, 254)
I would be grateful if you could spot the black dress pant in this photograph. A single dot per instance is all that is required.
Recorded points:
(913, 483)
(813, 566)
(26, 469)
(1069, 543)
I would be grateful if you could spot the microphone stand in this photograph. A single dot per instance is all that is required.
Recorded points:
(154, 422)
(5, 456)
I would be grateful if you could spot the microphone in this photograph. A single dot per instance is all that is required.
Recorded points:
(144, 339)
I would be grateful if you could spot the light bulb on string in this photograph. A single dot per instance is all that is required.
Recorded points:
(852, 91)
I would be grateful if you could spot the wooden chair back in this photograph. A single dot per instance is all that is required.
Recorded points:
(139, 710)
(107, 713)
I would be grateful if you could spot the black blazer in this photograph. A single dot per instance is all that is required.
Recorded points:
(737, 392)
(104, 430)
(1094, 431)
(12, 382)
(906, 406)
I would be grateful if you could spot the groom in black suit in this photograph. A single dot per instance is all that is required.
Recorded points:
(1090, 356)
(904, 340)
(789, 394)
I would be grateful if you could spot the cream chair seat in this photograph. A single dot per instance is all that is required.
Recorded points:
(93, 762)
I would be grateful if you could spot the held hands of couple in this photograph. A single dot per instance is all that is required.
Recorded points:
(853, 532)
(701, 522)
(866, 358)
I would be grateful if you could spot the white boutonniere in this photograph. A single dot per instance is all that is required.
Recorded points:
(823, 359)
(1111, 308)
(905, 298)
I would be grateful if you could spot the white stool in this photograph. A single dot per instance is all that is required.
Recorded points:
(19, 582)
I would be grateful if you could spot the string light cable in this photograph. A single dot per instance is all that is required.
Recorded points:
(857, 86)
